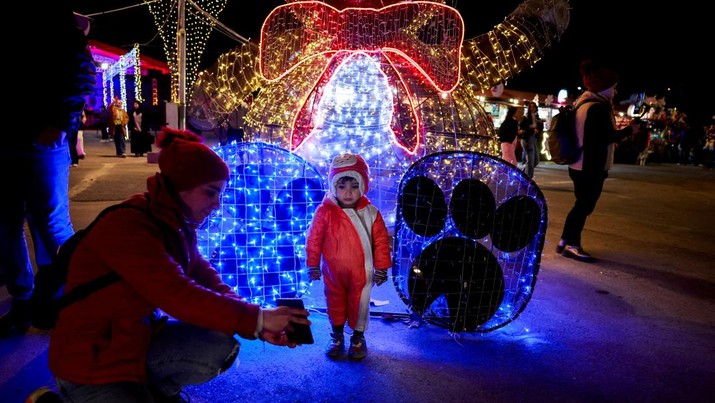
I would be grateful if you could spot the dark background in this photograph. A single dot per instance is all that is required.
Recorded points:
(661, 51)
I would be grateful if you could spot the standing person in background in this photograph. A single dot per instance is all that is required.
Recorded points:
(76, 141)
(509, 132)
(139, 138)
(118, 126)
(709, 147)
(531, 126)
(350, 235)
(35, 154)
(597, 135)
(106, 118)
(80, 136)
(72, 136)
(118, 344)
(222, 132)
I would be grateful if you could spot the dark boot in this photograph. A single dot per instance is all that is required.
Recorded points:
(40, 304)
(336, 346)
(17, 320)
(358, 347)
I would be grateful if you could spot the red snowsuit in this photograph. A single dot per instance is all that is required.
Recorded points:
(351, 242)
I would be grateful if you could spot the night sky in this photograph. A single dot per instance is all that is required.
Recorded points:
(659, 51)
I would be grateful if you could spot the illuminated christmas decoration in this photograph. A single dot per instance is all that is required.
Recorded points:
(119, 69)
(257, 239)
(197, 26)
(468, 240)
(395, 82)
(435, 77)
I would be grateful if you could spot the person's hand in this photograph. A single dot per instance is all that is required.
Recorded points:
(277, 321)
(314, 273)
(50, 137)
(379, 277)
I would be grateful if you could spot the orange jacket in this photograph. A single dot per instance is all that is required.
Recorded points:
(332, 235)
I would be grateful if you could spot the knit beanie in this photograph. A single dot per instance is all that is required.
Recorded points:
(186, 161)
(351, 165)
(597, 77)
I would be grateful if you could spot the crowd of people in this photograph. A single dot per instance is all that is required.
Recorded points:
(115, 125)
(522, 130)
(673, 139)
(665, 136)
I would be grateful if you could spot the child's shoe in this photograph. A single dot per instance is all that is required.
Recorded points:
(336, 347)
(358, 348)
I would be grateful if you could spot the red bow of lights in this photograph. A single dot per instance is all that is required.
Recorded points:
(342, 4)
(428, 35)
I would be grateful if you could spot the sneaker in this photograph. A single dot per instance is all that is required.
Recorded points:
(336, 347)
(358, 348)
(17, 320)
(43, 395)
(576, 252)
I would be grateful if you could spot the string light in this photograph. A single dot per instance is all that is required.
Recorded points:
(197, 27)
(119, 69)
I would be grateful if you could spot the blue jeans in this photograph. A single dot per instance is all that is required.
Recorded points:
(180, 354)
(531, 154)
(120, 145)
(37, 183)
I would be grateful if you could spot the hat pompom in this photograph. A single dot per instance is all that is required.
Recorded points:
(168, 134)
(186, 162)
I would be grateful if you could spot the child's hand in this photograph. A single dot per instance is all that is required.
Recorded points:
(379, 277)
(314, 273)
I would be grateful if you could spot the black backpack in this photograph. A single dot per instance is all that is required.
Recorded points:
(48, 299)
(563, 141)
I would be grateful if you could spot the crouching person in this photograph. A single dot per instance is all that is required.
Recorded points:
(169, 321)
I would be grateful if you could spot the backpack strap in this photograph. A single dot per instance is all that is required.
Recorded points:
(85, 289)
(82, 291)
(585, 101)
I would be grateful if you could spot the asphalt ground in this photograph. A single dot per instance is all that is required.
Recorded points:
(637, 325)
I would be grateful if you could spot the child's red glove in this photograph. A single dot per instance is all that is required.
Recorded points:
(314, 273)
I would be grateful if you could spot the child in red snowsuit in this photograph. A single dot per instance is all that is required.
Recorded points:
(350, 234)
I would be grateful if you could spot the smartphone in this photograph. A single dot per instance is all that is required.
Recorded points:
(302, 333)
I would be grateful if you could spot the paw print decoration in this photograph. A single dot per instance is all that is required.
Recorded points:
(469, 234)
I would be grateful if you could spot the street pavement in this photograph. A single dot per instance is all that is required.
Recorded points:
(637, 325)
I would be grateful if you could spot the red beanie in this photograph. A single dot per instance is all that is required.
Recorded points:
(186, 161)
(351, 165)
(597, 76)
